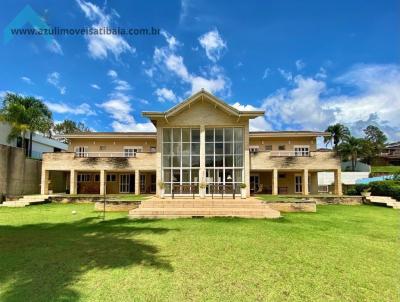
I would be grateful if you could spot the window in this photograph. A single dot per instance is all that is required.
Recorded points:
(268, 147)
(224, 156)
(281, 147)
(103, 148)
(96, 177)
(81, 151)
(111, 177)
(142, 183)
(83, 177)
(282, 175)
(302, 150)
(254, 149)
(180, 157)
(131, 151)
(153, 149)
(298, 184)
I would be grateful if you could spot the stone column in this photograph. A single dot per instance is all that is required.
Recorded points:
(246, 139)
(137, 182)
(202, 170)
(159, 161)
(305, 182)
(275, 182)
(338, 182)
(44, 189)
(102, 182)
(72, 183)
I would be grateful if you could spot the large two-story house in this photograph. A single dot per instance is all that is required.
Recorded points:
(201, 142)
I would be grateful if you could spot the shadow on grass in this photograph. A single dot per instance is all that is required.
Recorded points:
(39, 262)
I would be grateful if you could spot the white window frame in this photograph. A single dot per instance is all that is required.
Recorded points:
(83, 177)
(130, 151)
(109, 178)
(302, 150)
(254, 148)
(124, 181)
(81, 151)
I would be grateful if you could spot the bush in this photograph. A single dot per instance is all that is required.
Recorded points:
(389, 188)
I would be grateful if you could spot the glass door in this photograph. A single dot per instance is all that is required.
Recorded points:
(254, 183)
(298, 188)
(124, 180)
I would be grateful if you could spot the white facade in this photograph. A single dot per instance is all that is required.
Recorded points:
(40, 143)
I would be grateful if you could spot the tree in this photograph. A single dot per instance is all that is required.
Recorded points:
(351, 148)
(374, 143)
(69, 127)
(25, 114)
(338, 133)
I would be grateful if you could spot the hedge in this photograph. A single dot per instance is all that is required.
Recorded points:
(389, 188)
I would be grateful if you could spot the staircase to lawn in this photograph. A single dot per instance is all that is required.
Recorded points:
(187, 207)
(384, 200)
(26, 200)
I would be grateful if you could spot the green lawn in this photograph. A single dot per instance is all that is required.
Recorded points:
(385, 169)
(340, 253)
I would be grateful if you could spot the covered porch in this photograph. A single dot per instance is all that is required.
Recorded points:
(100, 182)
(290, 182)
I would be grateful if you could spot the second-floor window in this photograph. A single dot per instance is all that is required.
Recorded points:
(81, 151)
(281, 147)
(302, 150)
(268, 147)
(131, 151)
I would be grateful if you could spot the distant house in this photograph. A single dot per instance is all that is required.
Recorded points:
(20, 170)
(391, 154)
(40, 144)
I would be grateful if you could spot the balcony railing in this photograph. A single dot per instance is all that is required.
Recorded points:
(107, 154)
(290, 153)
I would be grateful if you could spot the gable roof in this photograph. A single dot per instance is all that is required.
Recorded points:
(202, 95)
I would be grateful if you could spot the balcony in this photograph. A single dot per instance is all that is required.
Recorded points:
(108, 154)
(95, 161)
(296, 160)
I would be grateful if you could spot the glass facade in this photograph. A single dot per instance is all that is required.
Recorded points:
(224, 157)
(181, 157)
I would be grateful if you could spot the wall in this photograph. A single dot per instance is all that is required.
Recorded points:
(18, 175)
(348, 178)
(112, 145)
(288, 142)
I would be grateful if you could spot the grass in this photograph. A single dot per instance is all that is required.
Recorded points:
(385, 169)
(288, 198)
(340, 253)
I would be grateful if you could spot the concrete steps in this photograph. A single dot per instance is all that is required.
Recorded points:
(203, 208)
(26, 200)
(384, 200)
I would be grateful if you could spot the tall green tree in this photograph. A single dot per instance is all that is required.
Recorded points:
(351, 149)
(25, 115)
(69, 127)
(374, 143)
(338, 133)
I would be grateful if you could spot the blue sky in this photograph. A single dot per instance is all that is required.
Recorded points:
(308, 64)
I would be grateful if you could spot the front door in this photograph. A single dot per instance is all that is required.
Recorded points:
(298, 187)
(127, 183)
(254, 183)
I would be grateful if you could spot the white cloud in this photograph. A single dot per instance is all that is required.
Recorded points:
(165, 94)
(54, 79)
(311, 103)
(118, 105)
(55, 47)
(266, 73)
(213, 44)
(95, 86)
(257, 124)
(112, 73)
(287, 75)
(213, 81)
(100, 46)
(27, 80)
(62, 108)
(171, 40)
(300, 65)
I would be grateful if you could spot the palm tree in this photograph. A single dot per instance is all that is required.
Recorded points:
(338, 133)
(25, 114)
(351, 148)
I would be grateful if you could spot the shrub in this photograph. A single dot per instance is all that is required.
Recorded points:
(389, 188)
